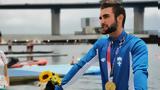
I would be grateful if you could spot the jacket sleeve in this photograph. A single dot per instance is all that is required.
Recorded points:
(140, 65)
(78, 69)
(58, 87)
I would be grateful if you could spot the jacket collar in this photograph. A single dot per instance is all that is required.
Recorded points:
(120, 38)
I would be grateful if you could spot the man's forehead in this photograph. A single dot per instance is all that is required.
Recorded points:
(106, 10)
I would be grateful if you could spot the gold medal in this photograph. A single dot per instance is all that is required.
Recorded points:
(110, 86)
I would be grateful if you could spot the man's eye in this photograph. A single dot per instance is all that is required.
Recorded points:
(105, 16)
(100, 18)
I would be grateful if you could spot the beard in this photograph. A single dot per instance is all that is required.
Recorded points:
(110, 29)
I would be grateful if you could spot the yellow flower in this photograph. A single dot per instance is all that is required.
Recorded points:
(45, 76)
(56, 80)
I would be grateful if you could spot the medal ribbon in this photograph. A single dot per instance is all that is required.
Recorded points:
(108, 56)
(110, 85)
(109, 61)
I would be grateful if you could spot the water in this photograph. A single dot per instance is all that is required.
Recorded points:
(88, 82)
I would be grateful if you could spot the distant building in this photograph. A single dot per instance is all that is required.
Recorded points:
(90, 25)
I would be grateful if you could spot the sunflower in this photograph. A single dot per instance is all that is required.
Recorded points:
(55, 79)
(45, 76)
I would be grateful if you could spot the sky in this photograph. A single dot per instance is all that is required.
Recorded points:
(39, 21)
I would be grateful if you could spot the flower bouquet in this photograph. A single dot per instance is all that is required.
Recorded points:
(51, 79)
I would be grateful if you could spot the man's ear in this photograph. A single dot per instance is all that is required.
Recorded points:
(120, 18)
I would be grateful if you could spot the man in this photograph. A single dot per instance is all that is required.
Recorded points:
(4, 79)
(117, 54)
(29, 48)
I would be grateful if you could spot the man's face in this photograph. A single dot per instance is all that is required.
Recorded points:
(107, 20)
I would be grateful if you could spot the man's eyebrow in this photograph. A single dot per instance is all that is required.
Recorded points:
(104, 16)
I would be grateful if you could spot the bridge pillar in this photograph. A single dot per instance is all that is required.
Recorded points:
(138, 19)
(55, 23)
(158, 4)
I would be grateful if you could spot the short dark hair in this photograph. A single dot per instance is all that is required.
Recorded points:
(117, 10)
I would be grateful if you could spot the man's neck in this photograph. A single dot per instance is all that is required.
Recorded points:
(116, 34)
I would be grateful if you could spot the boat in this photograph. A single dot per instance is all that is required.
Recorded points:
(31, 73)
(35, 55)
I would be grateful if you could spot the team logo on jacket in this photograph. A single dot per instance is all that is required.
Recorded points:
(119, 61)
(103, 59)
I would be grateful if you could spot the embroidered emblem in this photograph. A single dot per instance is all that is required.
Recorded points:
(103, 59)
(119, 61)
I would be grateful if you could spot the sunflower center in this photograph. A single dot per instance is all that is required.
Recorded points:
(45, 76)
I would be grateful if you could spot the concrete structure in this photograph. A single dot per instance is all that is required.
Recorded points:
(138, 19)
(55, 21)
(158, 4)
(89, 25)
(55, 10)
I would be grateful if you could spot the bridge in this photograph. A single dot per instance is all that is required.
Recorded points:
(55, 11)
(128, 4)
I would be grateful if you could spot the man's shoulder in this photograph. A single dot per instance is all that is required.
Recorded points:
(134, 38)
(103, 38)
(135, 41)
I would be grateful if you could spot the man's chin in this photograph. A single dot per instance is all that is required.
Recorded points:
(104, 32)
(108, 31)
